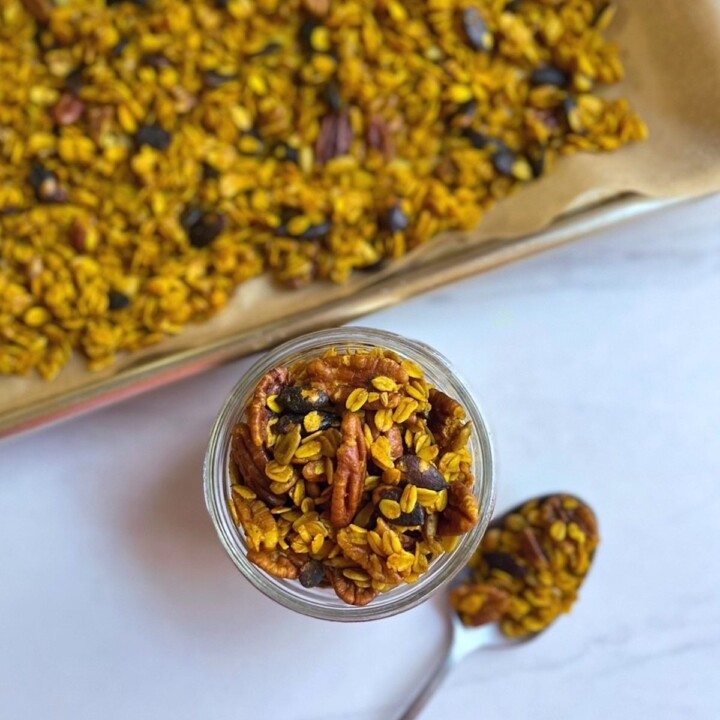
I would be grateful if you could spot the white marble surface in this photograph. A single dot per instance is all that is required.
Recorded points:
(598, 367)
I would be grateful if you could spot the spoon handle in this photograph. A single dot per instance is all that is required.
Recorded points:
(423, 695)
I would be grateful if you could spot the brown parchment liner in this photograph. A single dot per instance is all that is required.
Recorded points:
(671, 51)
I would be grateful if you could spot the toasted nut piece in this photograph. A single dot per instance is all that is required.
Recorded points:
(350, 471)
(258, 413)
(275, 563)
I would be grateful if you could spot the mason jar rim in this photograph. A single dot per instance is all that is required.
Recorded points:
(321, 602)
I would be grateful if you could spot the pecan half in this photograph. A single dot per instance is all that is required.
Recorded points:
(275, 563)
(461, 513)
(335, 136)
(585, 517)
(394, 435)
(68, 109)
(349, 592)
(374, 565)
(251, 461)
(349, 477)
(531, 549)
(445, 419)
(259, 524)
(41, 10)
(380, 138)
(495, 602)
(100, 121)
(258, 413)
(353, 371)
(386, 400)
(317, 7)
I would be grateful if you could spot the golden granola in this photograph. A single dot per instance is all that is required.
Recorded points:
(154, 154)
(351, 497)
(530, 566)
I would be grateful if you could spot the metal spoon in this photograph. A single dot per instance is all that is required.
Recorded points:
(462, 641)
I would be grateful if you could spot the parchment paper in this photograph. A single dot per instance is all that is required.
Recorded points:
(671, 51)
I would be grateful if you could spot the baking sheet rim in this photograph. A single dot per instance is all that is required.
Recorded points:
(164, 368)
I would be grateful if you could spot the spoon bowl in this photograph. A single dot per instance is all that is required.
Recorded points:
(463, 640)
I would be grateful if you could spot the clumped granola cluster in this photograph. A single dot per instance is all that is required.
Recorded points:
(352, 471)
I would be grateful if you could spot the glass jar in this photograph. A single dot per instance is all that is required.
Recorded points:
(323, 602)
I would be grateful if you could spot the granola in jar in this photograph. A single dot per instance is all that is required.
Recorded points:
(352, 472)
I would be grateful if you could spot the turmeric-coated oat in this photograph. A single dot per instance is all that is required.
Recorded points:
(530, 566)
(156, 154)
(351, 471)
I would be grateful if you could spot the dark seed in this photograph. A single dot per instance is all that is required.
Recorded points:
(206, 228)
(288, 421)
(396, 220)
(46, 185)
(504, 161)
(572, 115)
(375, 267)
(333, 97)
(536, 158)
(119, 49)
(215, 79)
(416, 517)
(421, 473)
(154, 136)
(312, 574)
(465, 114)
(270, 49)
(315, 232)
(39, 174)
(505, 562)
(191, 216)
(327, 420)
(477, 139)
(209, 172)
(287, 213)
(117, 300)
(513, 6)
(301, 399)
(550, 75)
(156, 60)
(74, 81)
(477, 30)
(283, 151)
(306, 31)
(141, 3)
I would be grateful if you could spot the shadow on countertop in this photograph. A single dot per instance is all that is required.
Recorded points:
(173, 539)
